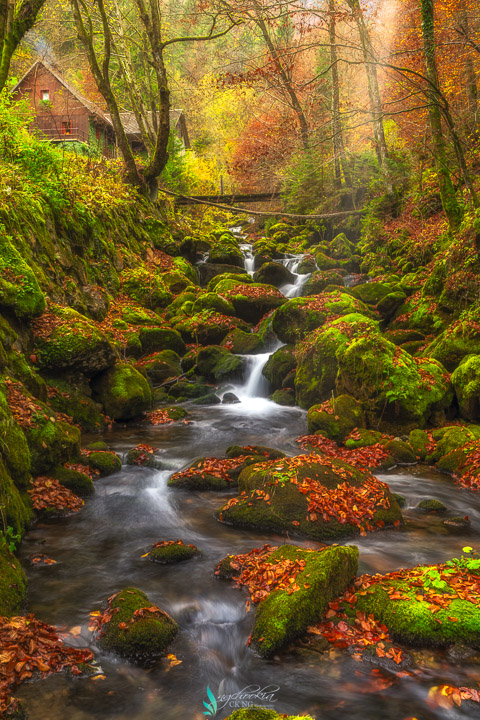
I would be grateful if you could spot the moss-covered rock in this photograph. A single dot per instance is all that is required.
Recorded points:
(268, 453)
(13, 583)
(272, 499)
(388, 305)
(282, 617)
(139, 637)
(337, 418)
(419, 442)
(106, 462)
(340, 247)
(319, 355)
(398, 391)
(416, 619)
(284, 397)
(78, 482)
(432, 505)
(160, 366)
(146, 287)
(325, 263)
(278, 365)
(299, 316)
(52, 442)
(364, 438)
(217, 364)
(76, 402)
(251, 301)
(460, 339)
(13, 445)
(123, 391)
(272, 273)
(171, 552)
(208, 399)
(144, 456)
(16, 503)
(155, 339)
(400, 451)
(66, 340)
(244, 343)
(20, 292)
(208, 271)
(466, 382)
(214, 473)
(320, 281)
(238, 277)
(213, 301)
(207, 328)
(372, 293)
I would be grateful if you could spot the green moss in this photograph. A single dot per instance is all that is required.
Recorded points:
(170, 554)
(72, 401)
(107, 463)
(432, 506)
(244, 343)
(419, 441)
(283, 397)
(16, 504)
(324, 262)
(252, 300)
(400, 451)
(215, 302)
(146, 287)
(97, 445)
(460, 339)
(146, 638)
(282, 617)
(278, 365)
(51, 443)
(79, 483)
(372, 293)
(320, 281)
(155, 339)
(238, 277)
(466, 381)
(344, 414)
(13, 445)
(19, 289)
(74, 343)
(367, 438)
(273, 273)
(217, 364)
(160, 366)
(123, 391)
(13, 584)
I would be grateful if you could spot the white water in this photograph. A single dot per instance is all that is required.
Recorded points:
(249, 258)
(294, 289)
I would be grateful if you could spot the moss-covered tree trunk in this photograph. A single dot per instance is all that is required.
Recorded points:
(337, 130)
(447, 191)
(15, 21)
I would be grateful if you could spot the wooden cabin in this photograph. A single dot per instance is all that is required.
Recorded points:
(62, 114)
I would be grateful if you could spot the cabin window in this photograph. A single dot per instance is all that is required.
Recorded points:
(66, 127)
(45, 95)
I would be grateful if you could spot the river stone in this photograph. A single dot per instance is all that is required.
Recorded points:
(124, 392)
(141, 640)
(282, 617)
(207, 271)
(286, 510)
(273, 273)
(230, 399)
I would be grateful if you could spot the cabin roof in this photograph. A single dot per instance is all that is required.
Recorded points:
(91, 106)
(130, 123)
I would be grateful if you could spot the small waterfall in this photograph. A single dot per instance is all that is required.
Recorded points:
(257, 384)
(253, 395)
(294, 289)
(249, 258)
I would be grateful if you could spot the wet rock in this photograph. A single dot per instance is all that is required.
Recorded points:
(462, 654)
(369, 654)
(251, 300)
(273, 273)
(400, 499)
(78, 482)
(284, 397)
(466, 381)
(244, 343)
(124, 392)
(209, 399)
(432, 506)
(13, 583)
(155, 339)
(144, 456)
(230, 399)
(218, 364)
(278, 365)
(160, 366)
(207, 271)
(272, 500)
(401, 452)
(337, 418)
(267, 453)
(170, 552)
(457, 524)
(137, 630)
(106, 463)
(320, 281)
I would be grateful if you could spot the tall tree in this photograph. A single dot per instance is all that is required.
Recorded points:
(435, 102)
(337, 130)
(16, 19)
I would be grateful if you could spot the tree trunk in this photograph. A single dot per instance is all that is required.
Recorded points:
(447, 191)
(470, 78)
(337, 132)
(15, 21)
(373, 92)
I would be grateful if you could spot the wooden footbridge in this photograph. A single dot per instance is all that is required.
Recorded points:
(226, 199)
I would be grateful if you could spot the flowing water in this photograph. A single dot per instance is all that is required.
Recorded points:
(98, 552)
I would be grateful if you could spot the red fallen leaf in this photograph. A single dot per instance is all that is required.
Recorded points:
(452, 619)
(295, 522)
(123, 626)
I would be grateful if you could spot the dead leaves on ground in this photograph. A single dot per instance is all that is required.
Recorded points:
(47, 494)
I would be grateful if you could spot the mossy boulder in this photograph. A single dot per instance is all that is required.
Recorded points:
(213, 301)
(20, 292)
(13, 583)
(388, 305)
(272, 498)
(75, 401)
(124, 392)
(320, 280)
(139, 637)
(460, 339)
(306, 266)
(278, 365)
(337, 418)
(466, 382)
(170, 553)
(284, 397)
(372, 293)
(208, 399)
(146, 457)
(363, 438)
(216, 363)
(16, 503)
(324, 262)
(105, 462)
(432, 505)
(268, 453)
(299, 316)
(13, 445)
(146, 287)
(78, 482)
(66, 340)
(400, 452)
(340, 247)
(155, 339)
(272, 273)
(319, 354)
(417, 620)
(160, 366)
(208, 271)
(244, 343)
(282, 617)
(452, 438)
(52, 442)
(226, 253)
(207, 327)
(212, 473)
(238, 277)
(251, 300)
(398, 391)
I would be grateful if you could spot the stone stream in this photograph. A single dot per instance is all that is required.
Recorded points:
(98, 552)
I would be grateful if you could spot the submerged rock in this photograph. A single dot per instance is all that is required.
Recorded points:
(169, 552)
(432, 506)
(134, 628)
